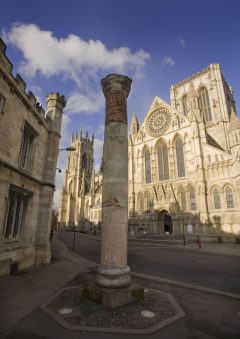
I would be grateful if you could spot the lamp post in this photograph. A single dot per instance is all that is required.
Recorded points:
(151, 205)
(69, 149)
(183, 228)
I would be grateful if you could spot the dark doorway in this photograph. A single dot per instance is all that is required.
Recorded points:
(167, 223)
(164, 222)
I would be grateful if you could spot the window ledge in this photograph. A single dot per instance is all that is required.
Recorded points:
(7, 245)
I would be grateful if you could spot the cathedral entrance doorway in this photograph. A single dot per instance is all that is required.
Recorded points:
(164, 222)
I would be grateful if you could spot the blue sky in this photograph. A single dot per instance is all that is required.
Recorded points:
(70, 46)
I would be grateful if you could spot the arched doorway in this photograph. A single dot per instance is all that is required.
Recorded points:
(164, 222)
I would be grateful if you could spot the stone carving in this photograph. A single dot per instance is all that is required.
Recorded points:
(158, 122)
(112, 202)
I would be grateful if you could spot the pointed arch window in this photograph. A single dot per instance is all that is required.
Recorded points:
(229, 197)
(183, 200)
(184, 104)
(148, 172)
(84, 161)
(192, 199)
(204, 104)
(180, 158)
(216, 199)
(163, 165)
(70, 188)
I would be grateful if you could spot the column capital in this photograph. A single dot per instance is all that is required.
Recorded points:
(116, 82)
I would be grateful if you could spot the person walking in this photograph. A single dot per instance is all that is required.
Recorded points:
(199, 243)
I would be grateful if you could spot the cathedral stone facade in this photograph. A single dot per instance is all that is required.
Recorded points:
(82, 190)
(184, 165)
(29, 139)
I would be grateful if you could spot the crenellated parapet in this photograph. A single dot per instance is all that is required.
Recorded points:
(76, 137)
(18, 87)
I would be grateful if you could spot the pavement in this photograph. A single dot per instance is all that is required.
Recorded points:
(21, 296)
(232, 249)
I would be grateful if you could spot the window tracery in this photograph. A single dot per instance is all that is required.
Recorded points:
(180, 158)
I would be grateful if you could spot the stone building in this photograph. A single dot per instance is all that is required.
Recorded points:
(29, 139)
(82, 189)
(184, 161)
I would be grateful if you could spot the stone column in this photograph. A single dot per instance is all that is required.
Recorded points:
(55, 105)
(113, 270)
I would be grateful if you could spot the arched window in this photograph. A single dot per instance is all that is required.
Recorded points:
(140, 204)
(180, 158)
(70, 188)
(184, 105)
(204, 104)
(183, 200)
(229, 197)
(192, 199)
(148, 174)
(163, 166)
(216, 199)
(84, 161)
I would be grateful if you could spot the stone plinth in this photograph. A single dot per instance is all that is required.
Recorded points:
(113, 298)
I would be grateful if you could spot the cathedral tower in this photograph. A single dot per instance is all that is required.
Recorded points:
(77, 180)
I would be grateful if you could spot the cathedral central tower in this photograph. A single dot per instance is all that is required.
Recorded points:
(77, 179)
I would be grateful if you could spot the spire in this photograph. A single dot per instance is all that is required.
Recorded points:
(234, 120)
(93, 137)
(80, 133)
(134, 126)
(192, 99)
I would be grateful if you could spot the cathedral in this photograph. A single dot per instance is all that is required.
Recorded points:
(184, 166)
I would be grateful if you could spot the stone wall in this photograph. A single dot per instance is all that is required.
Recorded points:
(29, 139)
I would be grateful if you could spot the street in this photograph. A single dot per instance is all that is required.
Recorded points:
(215, 271)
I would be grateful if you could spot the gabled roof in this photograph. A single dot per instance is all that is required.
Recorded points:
(158, 104)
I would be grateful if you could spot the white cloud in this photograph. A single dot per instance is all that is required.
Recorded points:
(98, 152)
(70, 57)
(167, 61)
(81, 103)
(182, 42)
(100, 130)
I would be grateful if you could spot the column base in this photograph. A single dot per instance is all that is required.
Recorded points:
(113, 297)
(42, 257)
(113, 277)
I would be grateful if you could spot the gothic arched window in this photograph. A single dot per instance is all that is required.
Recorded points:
(180, 158)
(70, 187)
(229, 197)
(216, 199)
(183, 200)
(192, 199)
(184, 104)
(148, 174)
(163, 166)
(84, 161)
(204, 104)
